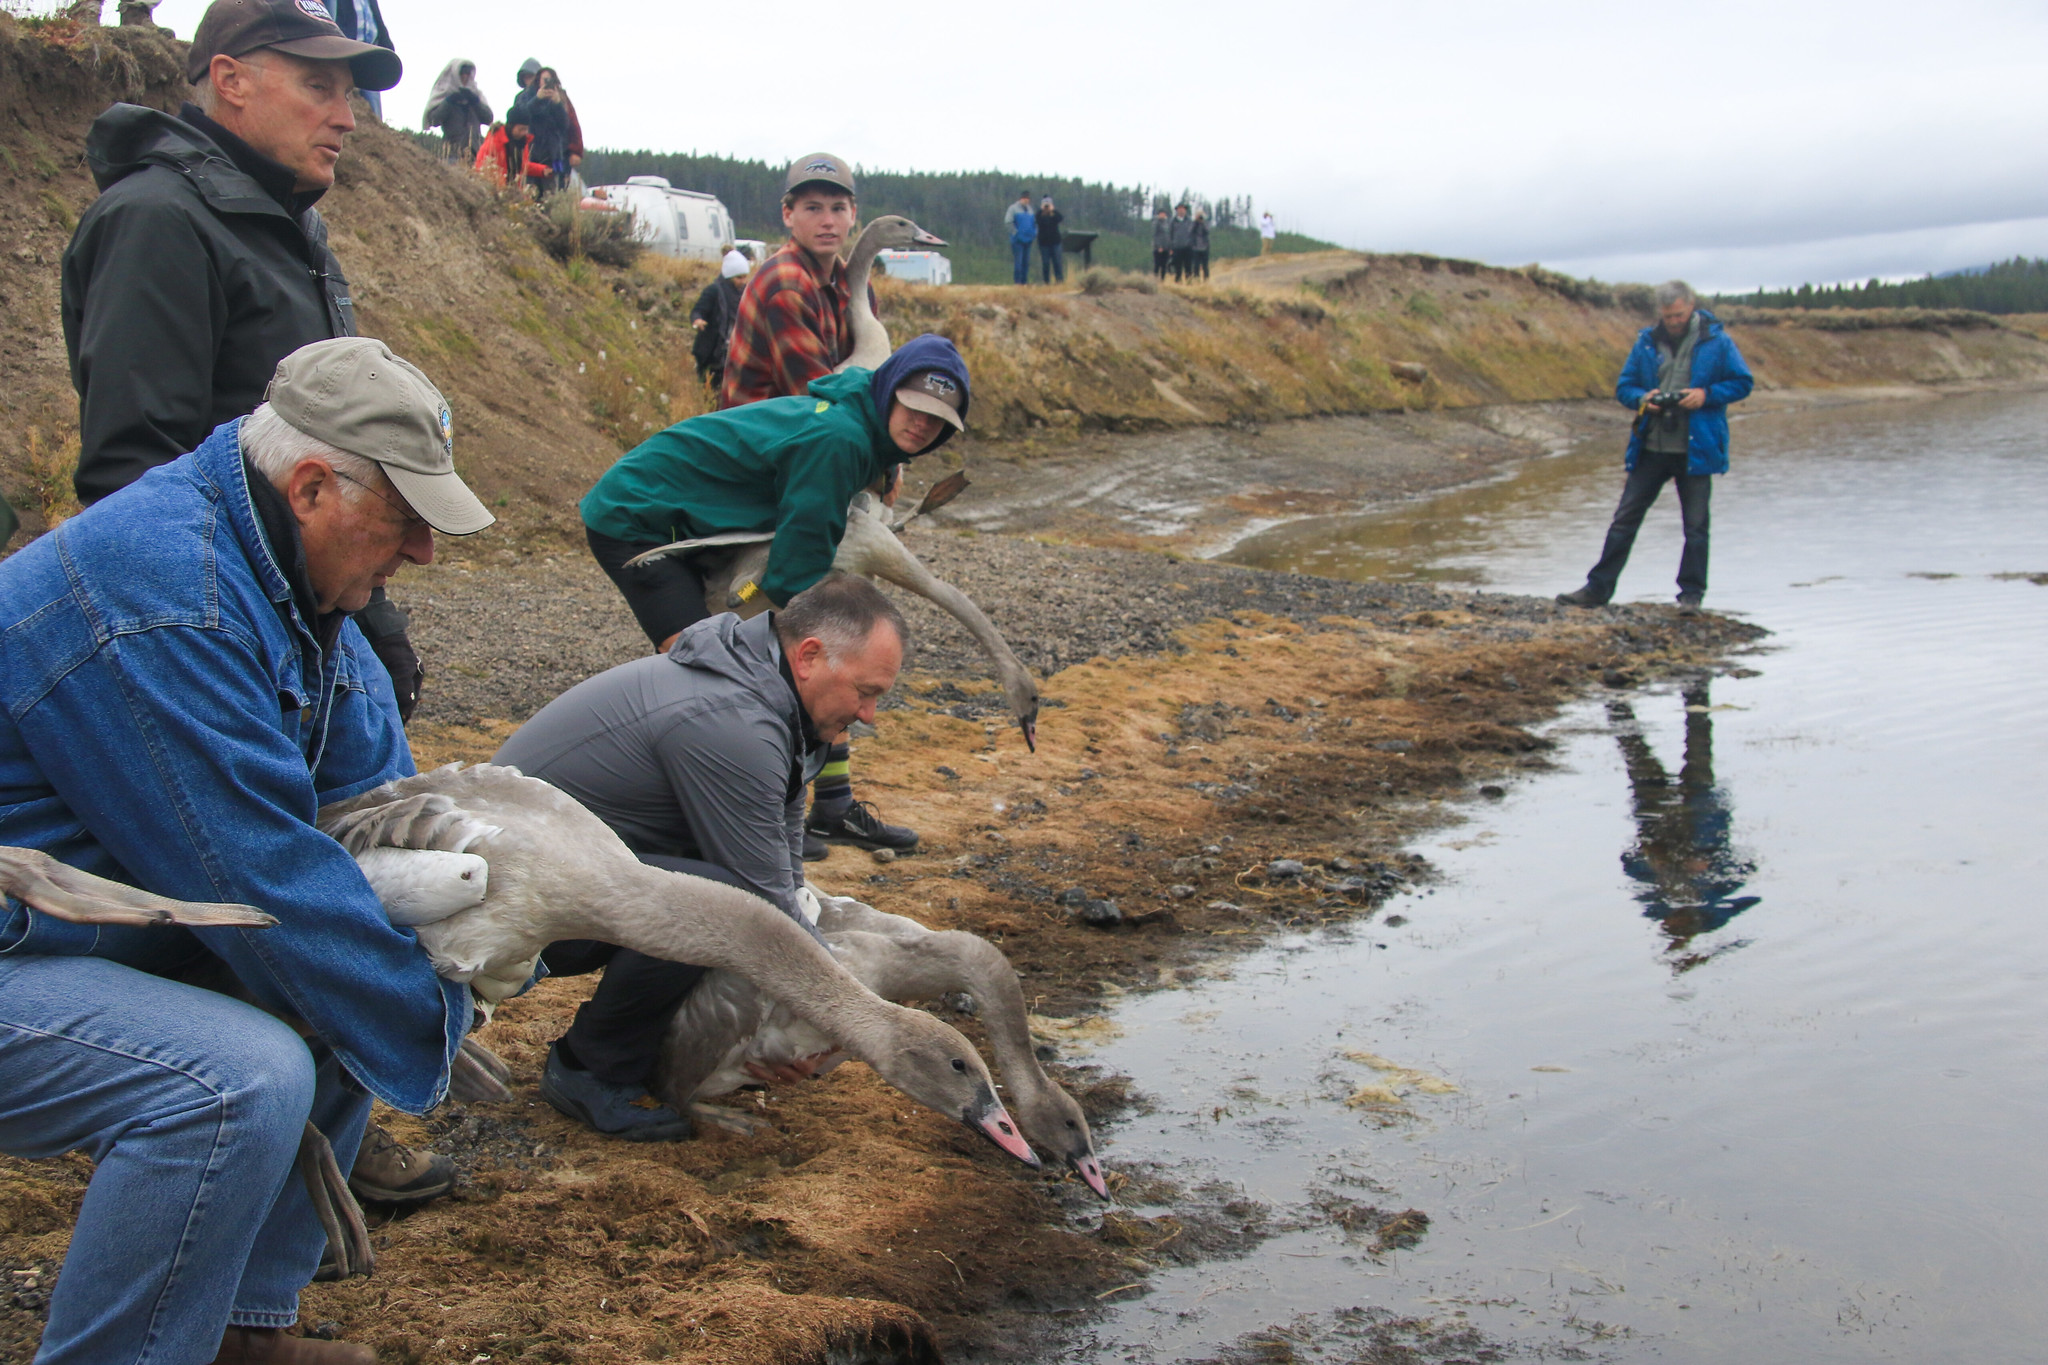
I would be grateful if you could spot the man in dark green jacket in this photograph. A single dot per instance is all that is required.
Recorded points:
(786, 465)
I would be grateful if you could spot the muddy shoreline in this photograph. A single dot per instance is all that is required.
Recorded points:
(1202, 722)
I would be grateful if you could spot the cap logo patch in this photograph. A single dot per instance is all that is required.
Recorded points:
(938, 383)
(819, 165)
(313, 9)
(447, 432)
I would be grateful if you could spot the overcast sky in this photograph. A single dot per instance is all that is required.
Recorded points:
(1735, 143)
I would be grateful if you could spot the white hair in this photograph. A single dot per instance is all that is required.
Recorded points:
(276, 448)
(1672, 291)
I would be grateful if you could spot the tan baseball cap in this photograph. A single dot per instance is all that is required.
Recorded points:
(819, 167)
(302, 28)
(354, 395)
(935, 393)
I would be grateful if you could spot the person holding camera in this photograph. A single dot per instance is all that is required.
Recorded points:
(1679, 381)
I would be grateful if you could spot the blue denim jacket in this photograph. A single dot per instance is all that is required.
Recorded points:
(169, 719)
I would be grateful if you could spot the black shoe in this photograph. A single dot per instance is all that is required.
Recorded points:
(1688, 604)
(816, 850)
(1580, 597)
(393, 1174)
(860, 825)
(615, 1110)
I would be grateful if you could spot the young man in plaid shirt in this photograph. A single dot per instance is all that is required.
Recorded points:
(793, 328)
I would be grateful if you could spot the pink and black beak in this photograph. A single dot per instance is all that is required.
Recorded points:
(1090, 1170)
(1029, 725)
(994, 1122)
(923, 238)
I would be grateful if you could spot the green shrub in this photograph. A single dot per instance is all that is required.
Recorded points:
(567, 232)
(1103, 280)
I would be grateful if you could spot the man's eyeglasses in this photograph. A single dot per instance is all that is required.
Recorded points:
(411, 519)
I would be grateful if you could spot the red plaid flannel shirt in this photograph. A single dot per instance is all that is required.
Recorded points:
(791, 329)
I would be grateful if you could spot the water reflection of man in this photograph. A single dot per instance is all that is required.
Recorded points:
(1686, 872)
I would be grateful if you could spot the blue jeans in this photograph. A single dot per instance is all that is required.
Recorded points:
(1052, 262)
(191, 1104)
(1645, 482)
(1020, 261)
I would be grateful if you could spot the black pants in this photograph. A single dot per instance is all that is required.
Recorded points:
(1183, 263)
(1200, 266)
(1160, 257)
(665, 595)
(618, 1031)
(1645, 482)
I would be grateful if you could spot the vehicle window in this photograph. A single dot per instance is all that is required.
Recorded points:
(682, 223)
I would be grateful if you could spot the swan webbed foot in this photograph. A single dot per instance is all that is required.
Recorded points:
(731, 1120)
(63, 892)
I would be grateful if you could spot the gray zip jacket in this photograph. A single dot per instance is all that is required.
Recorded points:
(702, 752)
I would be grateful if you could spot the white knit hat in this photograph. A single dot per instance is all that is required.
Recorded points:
(735, 263)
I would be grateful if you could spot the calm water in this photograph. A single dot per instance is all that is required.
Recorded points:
(1744, 1004)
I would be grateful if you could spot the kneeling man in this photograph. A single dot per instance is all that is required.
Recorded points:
(698, 758)
(181, 689)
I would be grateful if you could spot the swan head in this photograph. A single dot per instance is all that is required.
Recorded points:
(930, 1062)
(1023, 698)
(892, 232)
(1054, 1121)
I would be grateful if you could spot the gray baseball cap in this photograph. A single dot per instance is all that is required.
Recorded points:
(353, 394)
(821, 168)
(303, 28)
(935, 393)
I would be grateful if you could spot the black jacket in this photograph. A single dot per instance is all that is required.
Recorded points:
(195, 272)
(1049, 221)
(1180, 232)
(719, 306)
(1198, 234)
(548, 121)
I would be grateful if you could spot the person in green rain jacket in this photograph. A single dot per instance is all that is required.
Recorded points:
(787, 465)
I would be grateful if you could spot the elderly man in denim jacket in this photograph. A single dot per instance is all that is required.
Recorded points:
(181, 690)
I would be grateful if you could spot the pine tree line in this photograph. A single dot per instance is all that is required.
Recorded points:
(2015, 286)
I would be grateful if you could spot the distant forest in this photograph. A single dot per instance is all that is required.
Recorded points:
(964, 207)
(2015, 286)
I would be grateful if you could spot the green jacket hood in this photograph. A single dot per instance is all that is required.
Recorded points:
(851, 387)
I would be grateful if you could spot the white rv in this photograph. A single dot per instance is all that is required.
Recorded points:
(670, 221)
(916, 267)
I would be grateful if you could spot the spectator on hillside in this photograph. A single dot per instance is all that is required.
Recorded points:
(543, 110)
(362, 21)
(529, 72)
(792, 329)
(573, 161)
(1052, 261)
(1678, 380)
(502, 158)
(1198, 246)
(716, 311)
(1162, 244)
(1023, 225)
(1180, 235)
(1267, 232)
(182, 293)
(458, 108)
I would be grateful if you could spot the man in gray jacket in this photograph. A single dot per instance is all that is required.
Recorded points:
(698, 759)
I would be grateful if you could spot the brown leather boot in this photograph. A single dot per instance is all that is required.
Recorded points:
(272, 1346)
(391, 1174)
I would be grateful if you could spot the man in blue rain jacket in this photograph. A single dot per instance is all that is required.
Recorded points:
(1679, 380)
(181, 690)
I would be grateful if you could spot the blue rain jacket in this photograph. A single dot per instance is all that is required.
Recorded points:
(1717, 367)
(169, 719)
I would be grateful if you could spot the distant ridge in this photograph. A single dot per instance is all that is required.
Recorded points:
(2019, 285)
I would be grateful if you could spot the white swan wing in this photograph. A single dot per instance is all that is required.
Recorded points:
(424, 886)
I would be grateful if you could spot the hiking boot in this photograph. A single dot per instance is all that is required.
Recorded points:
(1688, 604)
(271, 1346)
(1580, 597)
(621, 1111)
(391, 1174)
(862, 826)
(816, 850)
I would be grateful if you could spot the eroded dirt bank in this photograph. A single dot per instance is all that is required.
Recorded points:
(1201, 722)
